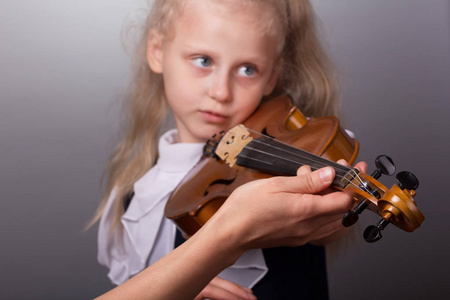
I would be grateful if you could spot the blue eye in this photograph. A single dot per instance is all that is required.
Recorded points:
(202, 61)
(247, 71)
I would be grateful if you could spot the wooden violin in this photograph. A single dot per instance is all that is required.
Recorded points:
(276, 140)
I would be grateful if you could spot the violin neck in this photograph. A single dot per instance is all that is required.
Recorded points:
(274, 157)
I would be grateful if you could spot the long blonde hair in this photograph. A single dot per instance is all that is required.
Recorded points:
(305, 77)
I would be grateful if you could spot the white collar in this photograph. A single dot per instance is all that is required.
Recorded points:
(144, 219)
(177, 157)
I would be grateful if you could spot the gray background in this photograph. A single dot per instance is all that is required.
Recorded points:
(62, 73)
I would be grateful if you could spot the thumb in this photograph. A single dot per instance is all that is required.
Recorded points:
(308, 182)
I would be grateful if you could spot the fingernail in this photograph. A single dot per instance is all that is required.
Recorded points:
(326, 174)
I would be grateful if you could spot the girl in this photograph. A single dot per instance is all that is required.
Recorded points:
(212, 62)
(240, 224)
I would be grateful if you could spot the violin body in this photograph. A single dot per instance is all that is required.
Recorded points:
(211, 181)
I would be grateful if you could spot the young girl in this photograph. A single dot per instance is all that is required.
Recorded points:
(211, 62)
(249, 219)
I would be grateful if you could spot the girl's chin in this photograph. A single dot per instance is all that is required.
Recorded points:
(201, 133)
(200, 137)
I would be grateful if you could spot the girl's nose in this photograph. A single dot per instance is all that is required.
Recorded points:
(220, 89)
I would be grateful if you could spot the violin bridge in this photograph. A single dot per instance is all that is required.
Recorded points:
(232, 143)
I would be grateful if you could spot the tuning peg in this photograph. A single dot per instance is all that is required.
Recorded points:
(373, 232)
(351, 216)
(385, 165)
(407, 180)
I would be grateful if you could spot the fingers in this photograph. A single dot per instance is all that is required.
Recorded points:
(335, 203)
(302, 208)
(303, 170)
(329, 233)
(220, 288)
(306, 182)
(361, 166)
(344, 163)
(314, 182)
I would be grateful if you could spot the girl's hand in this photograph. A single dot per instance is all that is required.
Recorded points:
(220, 288)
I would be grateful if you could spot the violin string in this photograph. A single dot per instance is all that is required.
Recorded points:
(314, 158)
(356, 183)
(317, 159)
(359, 182)
(356, 176)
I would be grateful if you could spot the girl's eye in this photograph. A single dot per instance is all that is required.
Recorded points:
(247, 71)
(202, 61)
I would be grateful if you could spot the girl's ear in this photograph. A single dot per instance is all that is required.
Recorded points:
(155, 51)
(274, 77)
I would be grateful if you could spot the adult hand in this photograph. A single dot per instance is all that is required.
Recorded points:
(340, 231)
(283, 211)
(278, 211)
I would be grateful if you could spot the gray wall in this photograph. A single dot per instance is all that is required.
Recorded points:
(62, 72)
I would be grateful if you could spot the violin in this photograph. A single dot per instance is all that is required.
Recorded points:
(277, 139)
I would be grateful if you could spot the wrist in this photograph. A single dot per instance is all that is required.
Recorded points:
(222, 239)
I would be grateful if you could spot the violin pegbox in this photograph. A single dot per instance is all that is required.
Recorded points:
(385, 165)
(232, 143)
(395, 205)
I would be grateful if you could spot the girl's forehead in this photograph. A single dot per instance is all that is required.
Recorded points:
(205, 24)
(260, 13)
(250, 7)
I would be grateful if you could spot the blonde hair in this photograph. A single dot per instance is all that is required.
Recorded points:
(305, 76)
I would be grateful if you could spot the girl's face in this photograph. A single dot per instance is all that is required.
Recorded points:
(217, 65)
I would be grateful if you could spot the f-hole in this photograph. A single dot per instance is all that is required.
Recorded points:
(219, 181)
(264, 132)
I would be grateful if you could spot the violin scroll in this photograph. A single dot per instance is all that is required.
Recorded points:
(395, 205)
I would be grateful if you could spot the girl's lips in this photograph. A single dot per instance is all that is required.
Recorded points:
(213, 117)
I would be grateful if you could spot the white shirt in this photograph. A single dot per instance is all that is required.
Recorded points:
(147, 235)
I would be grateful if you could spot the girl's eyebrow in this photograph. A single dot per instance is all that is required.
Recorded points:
(244, 58)
(197, 46)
